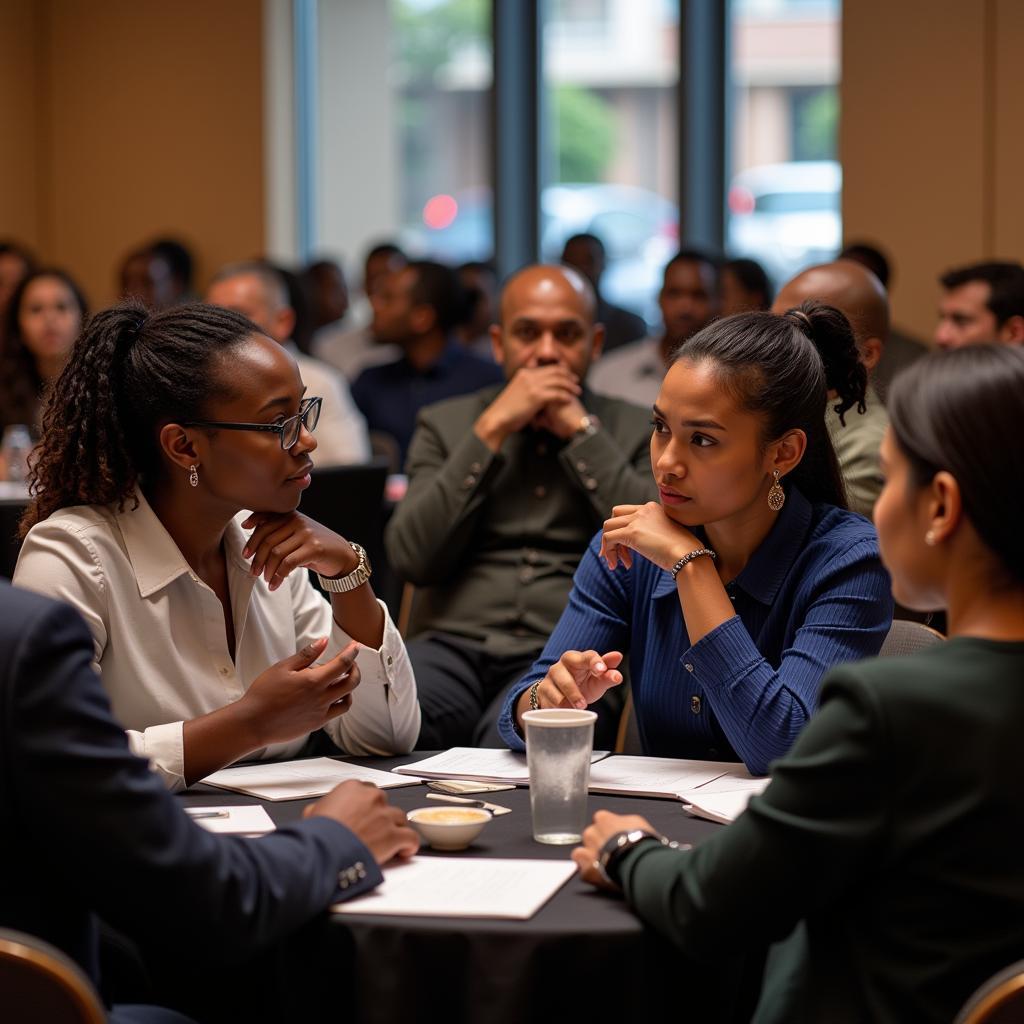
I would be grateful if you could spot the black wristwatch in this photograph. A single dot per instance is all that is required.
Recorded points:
(620, 844)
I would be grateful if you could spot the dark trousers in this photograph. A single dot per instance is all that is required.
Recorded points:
(462, 688)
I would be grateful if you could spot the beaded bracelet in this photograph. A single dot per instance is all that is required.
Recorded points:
(689, 557)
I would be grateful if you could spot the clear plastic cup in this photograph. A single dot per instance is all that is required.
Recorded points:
(559, 745)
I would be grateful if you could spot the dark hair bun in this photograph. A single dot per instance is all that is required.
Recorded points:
(832, 336)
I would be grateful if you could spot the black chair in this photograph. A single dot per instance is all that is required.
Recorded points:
(350, 500)
(11, 512)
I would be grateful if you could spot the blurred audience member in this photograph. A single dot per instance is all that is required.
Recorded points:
(328, 294)
(418, 309)
(179, 258)
(351, 346)
(507, 486)
(745, 287)
(146, 275)
(15, 265)
(586, 253)
(42, 321)
(689, 301)
(481, 284)
(981, 303)
(858, 294)
(257, 291)
(900, 349)
(298, 302)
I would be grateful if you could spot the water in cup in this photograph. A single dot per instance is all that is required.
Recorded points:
(559, 744)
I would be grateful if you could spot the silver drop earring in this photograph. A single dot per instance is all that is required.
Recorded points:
(193, 476)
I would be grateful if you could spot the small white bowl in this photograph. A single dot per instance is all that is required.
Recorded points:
(449, 828)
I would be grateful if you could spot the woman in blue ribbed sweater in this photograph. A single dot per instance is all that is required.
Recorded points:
(750, 579)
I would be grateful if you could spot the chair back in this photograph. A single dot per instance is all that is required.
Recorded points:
(349, 500)
(908, 638)
(40, 983)
(999, 1001)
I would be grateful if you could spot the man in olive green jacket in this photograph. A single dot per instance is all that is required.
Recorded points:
(506, 488)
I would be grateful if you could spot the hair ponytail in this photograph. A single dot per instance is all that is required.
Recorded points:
(129, 372)
(781, 368)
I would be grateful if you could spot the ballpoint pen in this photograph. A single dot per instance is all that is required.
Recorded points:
(209, 814)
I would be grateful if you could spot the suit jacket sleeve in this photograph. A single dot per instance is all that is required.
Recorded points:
(433, 526)
(813, 832)
(136, 858)
(611, 470)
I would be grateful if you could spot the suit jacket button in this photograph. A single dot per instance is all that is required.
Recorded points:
(695, 704)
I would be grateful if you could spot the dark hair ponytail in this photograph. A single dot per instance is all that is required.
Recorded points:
(129, 372)
(781, 368)
(961, 411)
(830, 333)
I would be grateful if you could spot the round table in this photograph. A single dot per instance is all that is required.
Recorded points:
(583, 957)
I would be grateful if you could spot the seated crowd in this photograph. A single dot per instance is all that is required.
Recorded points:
(589, 503)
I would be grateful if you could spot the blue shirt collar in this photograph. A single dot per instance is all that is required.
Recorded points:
(769, 565)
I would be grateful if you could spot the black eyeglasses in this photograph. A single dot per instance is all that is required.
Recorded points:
(287, 430)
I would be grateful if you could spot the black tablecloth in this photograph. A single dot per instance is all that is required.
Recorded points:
(584, 955)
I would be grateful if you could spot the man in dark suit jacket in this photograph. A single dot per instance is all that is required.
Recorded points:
(87, 830)
(506, 488)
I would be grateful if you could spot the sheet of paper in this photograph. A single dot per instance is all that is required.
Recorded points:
(723, 806)
(738, 778)
(481, 764)
(298, 780)
(653, 776)
(236, 820)
(464, 887)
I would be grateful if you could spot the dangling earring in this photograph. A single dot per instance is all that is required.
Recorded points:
(193, 477)
(776, 495)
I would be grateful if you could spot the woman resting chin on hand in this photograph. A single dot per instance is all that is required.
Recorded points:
(736, 592)
(210, 638)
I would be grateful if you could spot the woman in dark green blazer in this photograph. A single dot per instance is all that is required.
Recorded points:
(886, 850)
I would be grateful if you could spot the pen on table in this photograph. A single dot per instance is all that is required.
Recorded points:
(209, 814)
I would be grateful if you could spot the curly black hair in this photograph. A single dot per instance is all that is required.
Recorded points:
(130, 372)
(782, 368)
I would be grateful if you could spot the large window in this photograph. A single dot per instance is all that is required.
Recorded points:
(609, 164)
(442, 76)
(785, 184)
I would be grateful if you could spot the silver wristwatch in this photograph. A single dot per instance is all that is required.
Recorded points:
(356, 578)
(620, 844)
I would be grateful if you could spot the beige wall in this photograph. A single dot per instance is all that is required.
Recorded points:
(932, 103)
(19, 195)
(135, 119)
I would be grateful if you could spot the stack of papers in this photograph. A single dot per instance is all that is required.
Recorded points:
(236, 820)
(628, 775)
(464, 887)
(724, 799)
(298, 780)
(479, 764)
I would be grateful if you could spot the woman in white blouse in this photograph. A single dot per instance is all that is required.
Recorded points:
(210, 639)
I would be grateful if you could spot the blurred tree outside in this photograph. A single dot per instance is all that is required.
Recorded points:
(817, 123)
(585, 130)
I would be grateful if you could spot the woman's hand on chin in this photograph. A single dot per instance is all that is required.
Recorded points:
(280, 543)
(647, 530)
